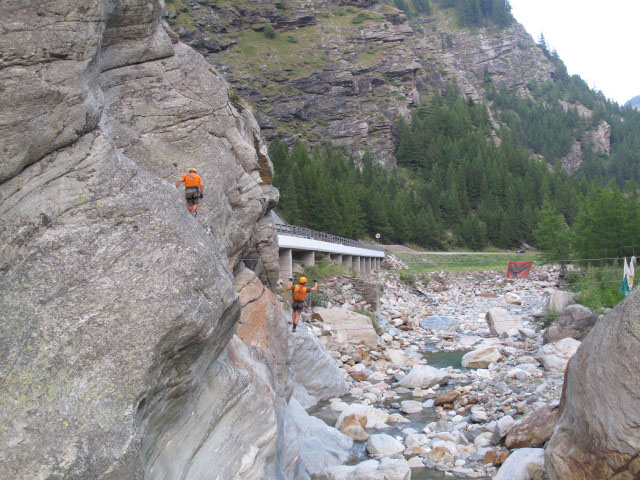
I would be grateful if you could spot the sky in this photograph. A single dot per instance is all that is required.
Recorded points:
(598, 40)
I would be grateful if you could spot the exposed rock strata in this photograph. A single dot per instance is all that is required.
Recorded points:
(356, 79)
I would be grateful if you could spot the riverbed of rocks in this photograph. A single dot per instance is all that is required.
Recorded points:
(501, 395)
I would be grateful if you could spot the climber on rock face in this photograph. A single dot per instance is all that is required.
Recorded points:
(193, 189)
(299, 294)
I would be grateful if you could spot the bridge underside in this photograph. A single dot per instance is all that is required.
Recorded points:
(292, 262)
(297, 253)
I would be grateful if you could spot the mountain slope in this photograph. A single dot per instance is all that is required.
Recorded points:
(347, 73)
(634, 102)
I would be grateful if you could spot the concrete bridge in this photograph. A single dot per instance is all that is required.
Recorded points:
(299, 246)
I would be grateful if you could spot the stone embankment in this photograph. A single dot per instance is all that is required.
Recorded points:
(460, 379)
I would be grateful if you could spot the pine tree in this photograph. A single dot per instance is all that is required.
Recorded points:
(422, 6)
(552, 235)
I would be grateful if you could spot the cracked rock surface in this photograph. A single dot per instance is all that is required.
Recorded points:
(120, 355)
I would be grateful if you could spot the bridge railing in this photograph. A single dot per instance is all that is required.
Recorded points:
(302, 232)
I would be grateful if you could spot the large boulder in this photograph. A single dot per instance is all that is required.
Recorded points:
(387, 469)
(320, 445)
(347, 327)
(534, 430)
(372, 416)
(382, 445)
(574, 322)
(354, 427)
(516, 467)
(501, 321)
(557, 302)
(554, 356)
(315, 373)
(482, 357)
(424, 376)
(597, 434)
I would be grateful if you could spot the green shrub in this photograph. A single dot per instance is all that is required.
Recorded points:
(317, 299)
(269, 31)
(323, 268)
(597, 287)
(408, 279)
(234, 97)
(291, 39)
(549, 318)
(374, 320)
(362, 16)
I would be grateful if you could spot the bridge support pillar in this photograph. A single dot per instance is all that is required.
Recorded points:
(356, 263)
(302, 258)
(336, 258)
(378, 263)
(368, 265)
(286, 264)
(347, 262)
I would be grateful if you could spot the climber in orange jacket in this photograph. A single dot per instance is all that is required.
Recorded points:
(299, 294)
(193, 189)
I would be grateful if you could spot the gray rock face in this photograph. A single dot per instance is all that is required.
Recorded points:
(574, 322)
(597, 433)
(118, 308)
(315, 374)
(321, 446)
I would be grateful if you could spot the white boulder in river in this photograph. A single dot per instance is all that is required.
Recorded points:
(387, 469)
(372, 415)
(554, 356)
(481, 358)
(424, 376)
(516, 467)
(382, 445)
(501, 321)
(411, 406)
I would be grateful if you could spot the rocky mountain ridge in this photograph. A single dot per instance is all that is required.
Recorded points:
(634, 103)
(347, 73)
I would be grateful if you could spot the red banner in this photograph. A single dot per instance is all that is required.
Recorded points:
(519, 269)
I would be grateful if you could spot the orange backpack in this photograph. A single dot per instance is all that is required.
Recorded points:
(299, 293)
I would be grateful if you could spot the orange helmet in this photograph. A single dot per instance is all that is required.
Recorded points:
(302, 280)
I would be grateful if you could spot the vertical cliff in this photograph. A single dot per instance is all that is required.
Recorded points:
(118, 308)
